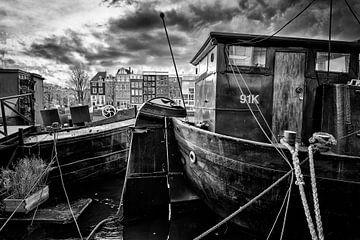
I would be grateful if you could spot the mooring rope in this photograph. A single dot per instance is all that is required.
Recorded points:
(300, 182)
(253, 200)
(63, 186)
(320, 141)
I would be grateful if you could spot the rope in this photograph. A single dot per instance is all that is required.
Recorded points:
(287, 195)
(315, 195)
(63, 186)
(317, 141)
(253, 200)
(300, 182)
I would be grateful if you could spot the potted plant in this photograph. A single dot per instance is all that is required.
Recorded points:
(25, 185)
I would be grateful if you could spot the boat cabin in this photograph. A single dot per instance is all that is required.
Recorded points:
(242, 79)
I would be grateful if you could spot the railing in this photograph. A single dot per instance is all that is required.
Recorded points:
(4, 103)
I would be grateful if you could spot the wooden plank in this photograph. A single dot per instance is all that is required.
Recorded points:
(59, 214)
(289, 77)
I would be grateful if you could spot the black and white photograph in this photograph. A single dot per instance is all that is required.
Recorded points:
(180, 120)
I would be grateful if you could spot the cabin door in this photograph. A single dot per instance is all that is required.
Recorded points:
(289, 81)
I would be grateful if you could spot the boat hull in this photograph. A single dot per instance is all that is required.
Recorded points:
(84, 153)
(228, 172)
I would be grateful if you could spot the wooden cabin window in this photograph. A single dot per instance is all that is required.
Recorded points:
(247, 56)
(339, 62)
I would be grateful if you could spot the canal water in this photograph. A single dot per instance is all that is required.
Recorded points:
(106, 194)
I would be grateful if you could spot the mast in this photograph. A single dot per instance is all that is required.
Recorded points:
(162, 15)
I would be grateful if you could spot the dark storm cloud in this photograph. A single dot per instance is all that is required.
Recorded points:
(189, 18)
(3, 13)
(315, 21)
(63, 48)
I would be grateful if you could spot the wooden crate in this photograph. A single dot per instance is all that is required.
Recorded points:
(31, 202)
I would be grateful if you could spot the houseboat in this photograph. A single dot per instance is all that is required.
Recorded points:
(249, 90)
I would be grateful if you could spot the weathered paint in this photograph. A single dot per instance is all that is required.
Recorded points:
(289, 80)
(230, 171)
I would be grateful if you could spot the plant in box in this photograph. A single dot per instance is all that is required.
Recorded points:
(25, 184)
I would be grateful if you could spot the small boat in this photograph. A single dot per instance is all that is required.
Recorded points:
(249, 90)
(84, 152)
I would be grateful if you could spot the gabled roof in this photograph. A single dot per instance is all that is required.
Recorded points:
(99, 74)
(123, 71)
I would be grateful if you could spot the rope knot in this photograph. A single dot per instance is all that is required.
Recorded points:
(322, 141)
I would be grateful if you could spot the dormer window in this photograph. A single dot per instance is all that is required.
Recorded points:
(247, 56)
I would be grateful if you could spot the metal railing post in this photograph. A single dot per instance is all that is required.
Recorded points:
(3, 117)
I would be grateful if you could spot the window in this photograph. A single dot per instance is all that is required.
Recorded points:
(101, 91)
(93, 91)
(339, 62)
(247, 56)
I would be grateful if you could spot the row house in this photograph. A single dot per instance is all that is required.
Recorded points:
(188, 89)
(97, 89)
(127, 89)
(122, 88)
(174, 89)
(136, 89)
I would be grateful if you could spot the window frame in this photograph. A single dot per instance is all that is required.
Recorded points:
(331, 71)
(265, 66)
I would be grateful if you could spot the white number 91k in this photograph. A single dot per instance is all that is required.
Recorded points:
(253, 99)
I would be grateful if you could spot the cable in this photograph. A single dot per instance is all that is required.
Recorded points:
(63, 186)
(352, 11)
(280, 29)
(262, 115)
(257, 121)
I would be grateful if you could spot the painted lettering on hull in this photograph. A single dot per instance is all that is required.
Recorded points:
(251, 99)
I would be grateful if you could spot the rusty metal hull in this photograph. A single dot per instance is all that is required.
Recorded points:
(228, 172)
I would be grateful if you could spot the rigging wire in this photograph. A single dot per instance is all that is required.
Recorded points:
(63, 185)
(280, 29)
(286, 199)
(256, 119)
(352, 11)
(258, 108)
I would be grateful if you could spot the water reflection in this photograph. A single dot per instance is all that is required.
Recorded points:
(106, 196)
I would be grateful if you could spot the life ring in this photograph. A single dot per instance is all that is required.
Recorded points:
(192, 157)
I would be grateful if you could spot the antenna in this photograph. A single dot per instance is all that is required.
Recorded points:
(162, 15)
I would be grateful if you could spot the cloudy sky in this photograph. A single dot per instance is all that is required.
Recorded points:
(48, 36)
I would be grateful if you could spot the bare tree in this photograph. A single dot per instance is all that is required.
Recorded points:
(78, 82)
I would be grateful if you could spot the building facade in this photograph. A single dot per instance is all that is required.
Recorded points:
(122, 88)
(188, 89)
(15, 82)
(174, 89)
(162, 84)
(97, 90)
(149, 85)
(136, 89)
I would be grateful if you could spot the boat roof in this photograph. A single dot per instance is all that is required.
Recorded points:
(273, 41)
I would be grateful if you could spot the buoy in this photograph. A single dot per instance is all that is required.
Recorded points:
(192, 157)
